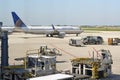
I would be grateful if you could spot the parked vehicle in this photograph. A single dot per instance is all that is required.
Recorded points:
(113, 41)
(76, 42)
(92, 40)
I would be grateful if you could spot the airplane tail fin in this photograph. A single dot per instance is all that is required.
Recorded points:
(53, 27)
(17, 21)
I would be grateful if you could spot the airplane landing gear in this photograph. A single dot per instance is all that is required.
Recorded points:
(76, 34)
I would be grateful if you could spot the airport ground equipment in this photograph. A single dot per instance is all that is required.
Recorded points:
(57, 33)
(37, 62)
(113, 41)
(76, 42)
(92, 40)
(60, 34)
(44, 50)
(99, 67)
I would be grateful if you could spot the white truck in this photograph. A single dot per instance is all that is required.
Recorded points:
(76, 42)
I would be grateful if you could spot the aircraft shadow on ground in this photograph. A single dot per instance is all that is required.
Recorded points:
(32, 37)
(40, 37)
(60, 61)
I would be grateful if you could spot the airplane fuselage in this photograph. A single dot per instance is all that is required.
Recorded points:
(49, 29)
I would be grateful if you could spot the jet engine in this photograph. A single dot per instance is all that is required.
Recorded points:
(61, 34)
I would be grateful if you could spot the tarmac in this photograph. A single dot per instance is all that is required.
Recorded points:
(19, 43)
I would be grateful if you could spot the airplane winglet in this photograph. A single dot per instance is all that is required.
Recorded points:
(53, 27)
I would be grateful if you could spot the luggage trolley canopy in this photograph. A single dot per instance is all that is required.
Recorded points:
(53, 77)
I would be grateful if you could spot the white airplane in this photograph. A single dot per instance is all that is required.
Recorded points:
(60, 31)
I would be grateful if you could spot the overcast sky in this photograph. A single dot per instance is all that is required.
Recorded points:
(62, 12)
